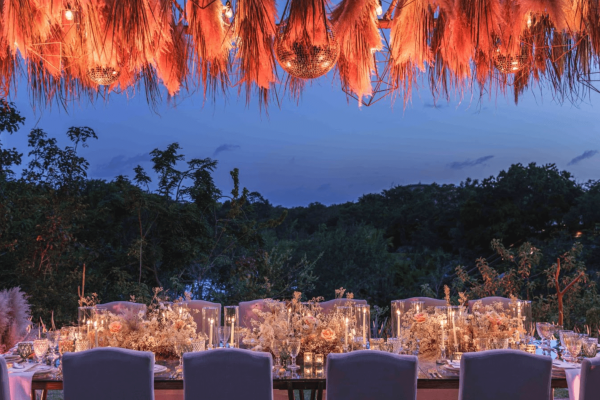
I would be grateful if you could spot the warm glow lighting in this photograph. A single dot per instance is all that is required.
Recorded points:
(578, 234)
(379, 10)
(69, 15)
(227, 10)
(529, 22)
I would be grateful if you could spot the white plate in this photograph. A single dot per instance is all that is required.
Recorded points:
(159, 368)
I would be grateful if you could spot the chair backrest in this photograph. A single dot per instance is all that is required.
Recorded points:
(505, 374)
(108, 373)
(227, 374)
(119, 307)
(329, 306)
(590, 379)
(246, 313)
(488, 301)
(4, 385)
(199, 305)
(427, 302)
(371, 375)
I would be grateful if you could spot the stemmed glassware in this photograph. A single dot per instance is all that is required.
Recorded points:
(294, 346)
(276, 349)
(182, 347)
(53, 337)
(545, 330)
(25, 349)
(561, 337)
(573, 342)
(40, 347)
(224, 332)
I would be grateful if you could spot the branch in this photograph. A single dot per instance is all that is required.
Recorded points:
(572, 283)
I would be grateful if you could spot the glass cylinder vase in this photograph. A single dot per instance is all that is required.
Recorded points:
(232, 319)
(86, 317)
(455, 319)
(397, 314)
(363, 322)
(347, 320)
(210, 321)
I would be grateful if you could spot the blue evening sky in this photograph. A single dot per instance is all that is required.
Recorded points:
(327, 150)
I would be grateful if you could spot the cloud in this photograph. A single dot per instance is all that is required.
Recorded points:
(225, 147)
(469, 163)
(121, 164)
(586, 154)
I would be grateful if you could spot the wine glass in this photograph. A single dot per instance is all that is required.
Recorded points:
(276, 349)
(224, 332)
(40, 347)
(25, 349)
(573, 342)
(53, 338)
(182, 347)
(561, 337)
(545, 330)
(294, 345)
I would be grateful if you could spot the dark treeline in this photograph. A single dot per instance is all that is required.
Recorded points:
(187, 235)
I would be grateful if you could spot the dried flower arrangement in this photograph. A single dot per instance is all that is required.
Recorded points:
(14, 317)
(320, 332)
(157, 330)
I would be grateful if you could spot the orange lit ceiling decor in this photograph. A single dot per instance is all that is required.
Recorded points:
(82, 48)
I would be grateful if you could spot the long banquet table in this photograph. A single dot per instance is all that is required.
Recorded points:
(431, 376)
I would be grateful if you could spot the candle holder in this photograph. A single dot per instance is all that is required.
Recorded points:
(308, 359)
(417, 306)
(397, 313)
(319, 361)
(348, 321)
(85, 317)
(455, 316)
(363, 322)
(198, 345)
(232, 320)
(210, 320)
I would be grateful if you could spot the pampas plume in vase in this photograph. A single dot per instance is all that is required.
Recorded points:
(14, 317)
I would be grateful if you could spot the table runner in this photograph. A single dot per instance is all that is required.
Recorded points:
(20, 384)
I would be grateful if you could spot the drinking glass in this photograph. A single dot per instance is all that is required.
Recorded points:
(224, 332)
(53, 338)
(573, 342)
(276, 349)
(40, 347)
(561, 338)
(25, 349)
(198, 345)
(481, 344)
(590, 347)
(545, 330)
(294, 345)
(182, 347)
(499, 344)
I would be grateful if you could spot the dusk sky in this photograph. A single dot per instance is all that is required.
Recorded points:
(327, 150)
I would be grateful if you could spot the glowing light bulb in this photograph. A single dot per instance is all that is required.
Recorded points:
(69, 15)
(228, 12)
(379, 10)
(515, 63)
(515, 68)
(529, 22)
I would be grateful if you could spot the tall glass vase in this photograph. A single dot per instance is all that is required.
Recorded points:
(362, 323)
(232, 320)
(210, 325)
(348, 323)
(397, 314)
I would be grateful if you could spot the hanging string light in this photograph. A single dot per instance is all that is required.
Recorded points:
(511, 63)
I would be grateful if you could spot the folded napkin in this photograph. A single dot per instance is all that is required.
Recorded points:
(573, 382)
(20, 383)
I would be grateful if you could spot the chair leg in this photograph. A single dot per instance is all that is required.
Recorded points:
(44, 394)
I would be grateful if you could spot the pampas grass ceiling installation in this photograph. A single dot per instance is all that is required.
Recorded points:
(73, 49)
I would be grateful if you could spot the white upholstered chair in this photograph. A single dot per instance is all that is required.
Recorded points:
(505, 374)
(246, 313)
(227, 374)
(590, 379)
(119, 307)
(329, 306)
(373, 374)
(4, 386)
(199, 305)
(427, 302)
(108, 373)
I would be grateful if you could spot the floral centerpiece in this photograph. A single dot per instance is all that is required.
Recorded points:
(319, 332)
(157, 329)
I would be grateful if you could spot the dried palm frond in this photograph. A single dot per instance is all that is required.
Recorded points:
(211, 42)
(14, 317)
(357, 31)
(255, 29)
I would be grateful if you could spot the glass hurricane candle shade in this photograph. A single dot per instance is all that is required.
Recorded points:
(455, 319)
(363, 322)
(417, 306)
(86, 317)
(210, 321)
(319, 360)
(232, 320)
(528, 326)
(397, 313)
(348, 323)
(308, 359)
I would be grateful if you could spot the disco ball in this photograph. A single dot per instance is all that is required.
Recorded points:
(306, 61)
(103, 76)
(510, 64)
